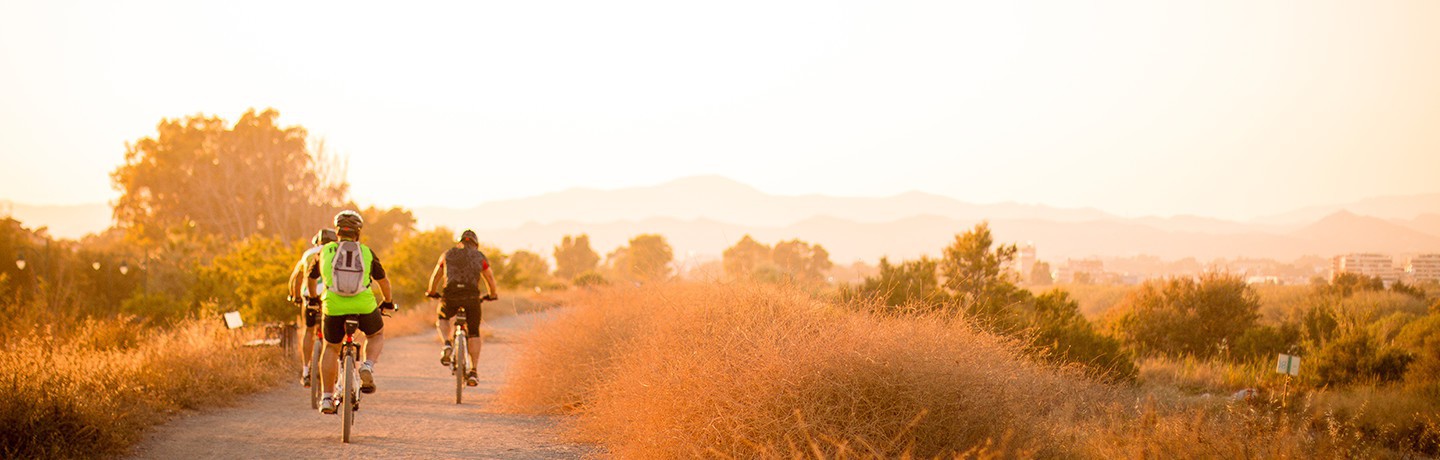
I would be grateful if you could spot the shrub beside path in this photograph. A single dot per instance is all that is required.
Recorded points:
(413, 415)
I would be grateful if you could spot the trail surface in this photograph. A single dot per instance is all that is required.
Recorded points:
(412, 415)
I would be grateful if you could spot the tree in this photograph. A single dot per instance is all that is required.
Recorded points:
(1183, 316)
(412, 260)
(573, 256)
(646, 258)
(978, 277)
(912, 283)
(530, 270)
(252, 278)
(253, 177)
(803, 262)
(385, 227)
(1063, 335)
(744, 257)
(1040, 275)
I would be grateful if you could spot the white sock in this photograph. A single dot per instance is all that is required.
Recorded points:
(370, 364)
(327, 395)
(307, 368)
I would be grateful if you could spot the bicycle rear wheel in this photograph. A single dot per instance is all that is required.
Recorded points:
(461, 356)
(315, 389)
(348, 373)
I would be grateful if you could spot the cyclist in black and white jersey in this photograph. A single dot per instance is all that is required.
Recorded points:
(462, 268)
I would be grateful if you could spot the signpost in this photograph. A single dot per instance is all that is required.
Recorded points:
(1288, 364)
(232, 320)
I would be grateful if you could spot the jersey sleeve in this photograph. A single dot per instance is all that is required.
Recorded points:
(377, 271)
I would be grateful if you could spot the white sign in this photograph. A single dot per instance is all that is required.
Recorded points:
(1288, 365)
(232, 320)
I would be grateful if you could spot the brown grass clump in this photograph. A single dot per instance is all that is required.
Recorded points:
(709, 371)
(91, 390)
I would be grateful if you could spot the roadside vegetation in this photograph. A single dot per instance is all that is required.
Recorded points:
(948, 357)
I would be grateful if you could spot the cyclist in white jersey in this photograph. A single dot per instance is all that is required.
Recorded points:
(309, 314)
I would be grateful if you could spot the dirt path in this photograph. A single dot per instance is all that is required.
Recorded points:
(413, 415)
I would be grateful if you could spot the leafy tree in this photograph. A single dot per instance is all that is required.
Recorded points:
(646, 258)
(1063, 335)
(742, 259)
(1347, 284)
(412, 260)
(803, 262)
(252, 278)
(1040, 275)
(1182, 316)
(385, 227)
(1356, 357)
(573, 256)
(253, 177)
(978, 279)
(530, 270)
(912, 283)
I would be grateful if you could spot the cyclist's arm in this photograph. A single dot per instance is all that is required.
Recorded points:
(311, 279)
(436, 276)
(297, 278)
(377, 273)
(490, 281)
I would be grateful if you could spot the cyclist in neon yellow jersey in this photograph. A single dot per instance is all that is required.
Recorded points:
(347, 269)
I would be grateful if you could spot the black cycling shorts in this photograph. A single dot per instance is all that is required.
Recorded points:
(450, 306)
(370, 323)
(309, 317)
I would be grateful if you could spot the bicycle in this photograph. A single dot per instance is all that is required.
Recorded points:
(460, 366)
(347, 394)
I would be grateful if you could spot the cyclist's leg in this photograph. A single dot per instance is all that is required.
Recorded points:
(373, 326)
(334, 330)
(310, 319)
(443, 313)
(472, 333)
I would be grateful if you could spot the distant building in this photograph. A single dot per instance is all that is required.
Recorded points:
(1373, 265)
(1025, 260)
(1424, 267)
(1082, 270)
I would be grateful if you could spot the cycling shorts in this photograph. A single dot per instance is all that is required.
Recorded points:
(450, 306)
(370, 323)
(309, 317)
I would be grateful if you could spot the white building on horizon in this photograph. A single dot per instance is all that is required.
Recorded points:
(1423, 267)
(1367, 264)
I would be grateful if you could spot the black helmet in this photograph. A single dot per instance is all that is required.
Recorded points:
(325, 235)
(467, 235)
(349, 219)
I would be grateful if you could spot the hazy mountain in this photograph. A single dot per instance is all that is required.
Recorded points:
(1385, 207)
(701, 216)
(1426, 223)
(64, 221)
(720, 199)
(926, 235)
(1344, 232)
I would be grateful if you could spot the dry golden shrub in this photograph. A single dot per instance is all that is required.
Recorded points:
(92, 389)
(684, 371)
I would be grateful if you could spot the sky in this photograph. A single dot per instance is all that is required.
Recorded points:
(1232, 109)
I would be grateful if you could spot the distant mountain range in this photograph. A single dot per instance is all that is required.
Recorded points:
(701, 216)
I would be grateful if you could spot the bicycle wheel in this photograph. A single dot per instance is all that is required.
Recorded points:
(348, 373)
(315, 389)
(461, 356)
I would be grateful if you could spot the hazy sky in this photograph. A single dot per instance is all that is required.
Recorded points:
(1223, 108)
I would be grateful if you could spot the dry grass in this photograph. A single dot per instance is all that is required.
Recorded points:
(91, 390)
(714, 371)
(706, 371)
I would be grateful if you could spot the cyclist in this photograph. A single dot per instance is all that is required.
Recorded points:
(299, 292)
(347, 268)
(463, 268)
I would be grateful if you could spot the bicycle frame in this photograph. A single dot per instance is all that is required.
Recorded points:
(348, 399)
(459, 362)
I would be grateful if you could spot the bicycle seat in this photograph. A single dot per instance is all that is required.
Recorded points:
(351, 325)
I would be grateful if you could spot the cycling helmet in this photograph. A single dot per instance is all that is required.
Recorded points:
(325, 235)
(469, 235)
(349, 219)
